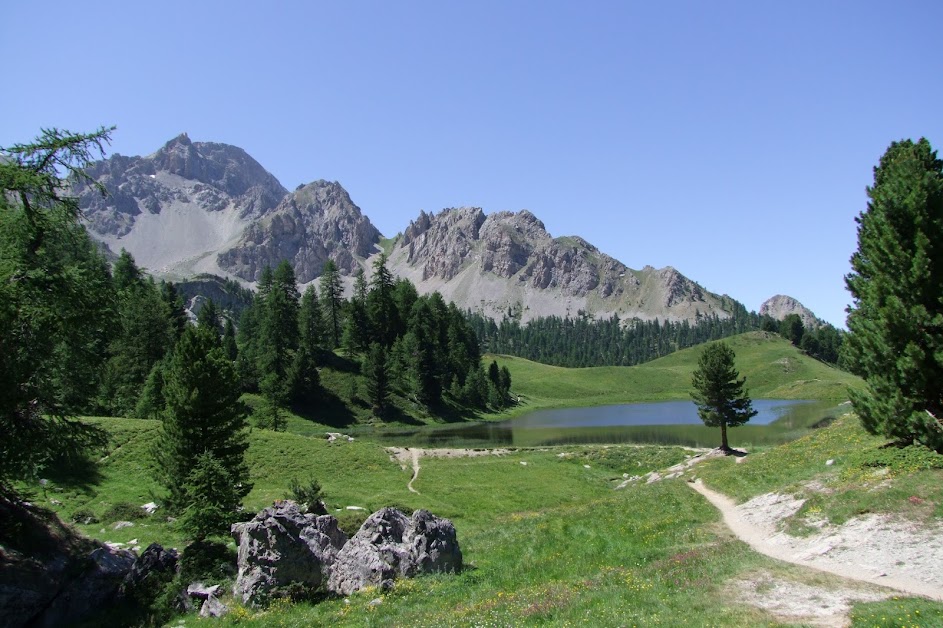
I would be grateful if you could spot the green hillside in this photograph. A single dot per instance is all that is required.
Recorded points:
(774, 369)
(549, 542)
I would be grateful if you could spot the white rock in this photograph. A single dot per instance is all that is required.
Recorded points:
(149, 508)
(586, 466)
(356, 508)
(829, 462)
(523, 463)
(123, 524)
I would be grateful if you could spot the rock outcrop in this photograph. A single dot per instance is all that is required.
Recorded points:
(508, 262)
(176, 209)
(282, 546)
(391, 545)
(154, 567)
(49, 574)
(781, 306)
(314, 223)
(196, 208)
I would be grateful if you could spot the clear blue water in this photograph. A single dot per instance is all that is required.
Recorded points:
(666, 423)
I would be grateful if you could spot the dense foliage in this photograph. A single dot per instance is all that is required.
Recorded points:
(200, 451)
(55, 304)
(896, 319)
(584, 341)
(718, 391)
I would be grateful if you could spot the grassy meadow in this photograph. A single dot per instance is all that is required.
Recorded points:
(774, 369)
(547, 538)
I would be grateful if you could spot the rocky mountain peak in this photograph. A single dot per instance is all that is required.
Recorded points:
(316, 222)
(780, 306)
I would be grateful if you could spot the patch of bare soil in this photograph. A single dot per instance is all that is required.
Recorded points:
(877, 549)
(798, 602)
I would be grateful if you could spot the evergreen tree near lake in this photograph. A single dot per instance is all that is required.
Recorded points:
(278, 345)
(719, 391)
(332, 297)
(55, 304)
(203, 428)
(895, 322)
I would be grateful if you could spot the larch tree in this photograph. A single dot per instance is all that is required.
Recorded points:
(895, 322)
(54, 303)
(719, 391)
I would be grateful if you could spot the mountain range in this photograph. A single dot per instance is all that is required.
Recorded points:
(209, 208)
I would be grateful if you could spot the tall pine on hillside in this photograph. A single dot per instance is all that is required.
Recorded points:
(202, 415)
(896, 320)
(278, 344)
(332, 296)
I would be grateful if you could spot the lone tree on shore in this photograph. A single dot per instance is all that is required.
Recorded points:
(718, 391)
(896, 319)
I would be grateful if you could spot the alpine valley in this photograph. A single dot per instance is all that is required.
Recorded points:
(204, 208)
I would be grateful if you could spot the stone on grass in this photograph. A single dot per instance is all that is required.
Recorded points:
(282, 546)
(390, 545)
(212, 607)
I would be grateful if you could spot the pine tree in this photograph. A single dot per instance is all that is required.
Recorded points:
(278, 344)
(208, 317)
(174, 305)
(719, 394)
(381, 308)
(202, 415)
(356, 337)
(229, 341)
(896, 319)
(376, 372)
(332, 294)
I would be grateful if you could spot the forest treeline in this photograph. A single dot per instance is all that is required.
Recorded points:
(584, 341)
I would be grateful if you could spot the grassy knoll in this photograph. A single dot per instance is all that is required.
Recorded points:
(773, 367)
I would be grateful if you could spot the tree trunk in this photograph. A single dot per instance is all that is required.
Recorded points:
(723, 436)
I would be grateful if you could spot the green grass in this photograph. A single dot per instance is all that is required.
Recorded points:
(773, 367)
(546, 542)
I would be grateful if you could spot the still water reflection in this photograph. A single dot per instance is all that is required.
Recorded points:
(668, 423)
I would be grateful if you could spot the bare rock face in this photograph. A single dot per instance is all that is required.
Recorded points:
(781, 306)
(391, 545)
(280, 546)
(444, 246)
(508, 261)
(213, 176)
(314, 223)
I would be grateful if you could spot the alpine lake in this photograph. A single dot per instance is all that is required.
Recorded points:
(661, 423)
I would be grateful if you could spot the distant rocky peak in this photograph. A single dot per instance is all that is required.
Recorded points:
(226, 167)
(780, 306)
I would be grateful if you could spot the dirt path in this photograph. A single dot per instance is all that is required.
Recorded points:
(409, 456)
(870, 549)
(414, 456)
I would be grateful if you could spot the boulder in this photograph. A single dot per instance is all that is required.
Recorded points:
(282, 546)
(107, 569)
(390, 545)
(153, 568)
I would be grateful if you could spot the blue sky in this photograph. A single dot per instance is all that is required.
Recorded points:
(731, 140)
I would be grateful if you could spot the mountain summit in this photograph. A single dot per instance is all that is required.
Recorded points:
(507, 263)
(175, 209)
(203, 207)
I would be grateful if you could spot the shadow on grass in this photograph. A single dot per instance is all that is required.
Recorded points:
(329, 410)
(79, 473)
